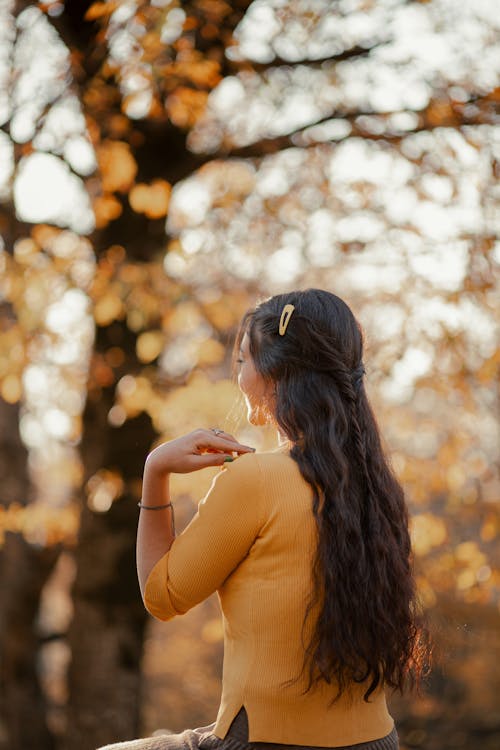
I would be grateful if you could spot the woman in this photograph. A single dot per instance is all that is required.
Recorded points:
(307, 545)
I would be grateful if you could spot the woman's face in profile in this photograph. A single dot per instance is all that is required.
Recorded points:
(252, 385)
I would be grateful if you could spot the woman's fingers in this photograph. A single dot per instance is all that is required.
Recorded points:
(223, 434)
(194, 451)
(221, 442)
(210, 459)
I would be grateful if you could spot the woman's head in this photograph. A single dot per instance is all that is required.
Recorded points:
(309, 382)
(321, 342)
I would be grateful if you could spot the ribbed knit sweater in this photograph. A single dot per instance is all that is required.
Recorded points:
(253, 541)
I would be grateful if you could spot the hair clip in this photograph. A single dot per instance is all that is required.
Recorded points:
(286, 314)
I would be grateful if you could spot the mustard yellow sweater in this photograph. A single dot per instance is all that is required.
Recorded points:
(252, 540)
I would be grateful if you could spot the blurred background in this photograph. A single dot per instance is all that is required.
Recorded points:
(163, 166)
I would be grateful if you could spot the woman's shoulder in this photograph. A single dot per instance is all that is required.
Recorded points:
(259, 461)
(272, 476)
(261, 464)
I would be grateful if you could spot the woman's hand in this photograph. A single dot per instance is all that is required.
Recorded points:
(196, 450)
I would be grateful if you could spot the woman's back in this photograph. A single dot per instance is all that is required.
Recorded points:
(253, 540)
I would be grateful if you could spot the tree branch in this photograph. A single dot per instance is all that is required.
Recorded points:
(298, 139)
(348, 54)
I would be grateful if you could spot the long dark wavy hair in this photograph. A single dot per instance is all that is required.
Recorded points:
(370, 626)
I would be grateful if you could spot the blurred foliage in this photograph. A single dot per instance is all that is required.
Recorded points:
(166, 164)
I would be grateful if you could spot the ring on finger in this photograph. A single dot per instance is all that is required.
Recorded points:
(216, 431)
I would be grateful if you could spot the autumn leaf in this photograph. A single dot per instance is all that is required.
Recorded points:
(106, 208)
(149, 345)
(151, 200)
(108, 308)
(185, 106)
(99, 10)
(11, 389)
(118, 166)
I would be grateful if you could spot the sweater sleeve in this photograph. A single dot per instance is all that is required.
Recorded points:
(217, 539)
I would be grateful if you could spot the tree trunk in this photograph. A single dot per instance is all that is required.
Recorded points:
(107, 631)
(24, 570)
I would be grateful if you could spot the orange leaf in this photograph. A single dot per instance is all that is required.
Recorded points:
(185, 106)
(118, 166)
(98, 10)
(106, 208)
(440, 113)
(151, 200)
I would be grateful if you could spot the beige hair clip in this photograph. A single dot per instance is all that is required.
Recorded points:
(286, 314)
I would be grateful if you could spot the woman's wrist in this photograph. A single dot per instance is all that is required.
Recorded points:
(140, 504)
(153, 466)
(155, 484)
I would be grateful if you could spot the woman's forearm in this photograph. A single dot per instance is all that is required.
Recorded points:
(155, 531)
(196, 450)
